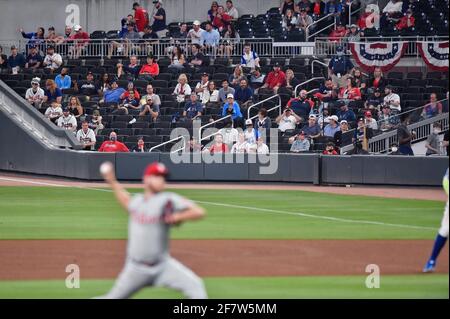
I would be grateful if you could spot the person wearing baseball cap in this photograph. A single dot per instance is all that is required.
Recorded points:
(81, 41)
(312, 130)
(159, 19)
(151, 215)
(344, 136)
(370, 121)
(195, 34)
(250, 134)
(332, 127)
(275, 79)
(345, 113)
(353, 34)
(231, 107)
(300, 144)
(35, 94)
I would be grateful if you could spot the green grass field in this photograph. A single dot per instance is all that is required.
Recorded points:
(76, 213)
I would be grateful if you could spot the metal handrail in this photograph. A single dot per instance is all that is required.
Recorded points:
(269, 110)
(209, 124)
(319, 62)
(261, 102)
(307, 81)
(170, 141)
(315, 22)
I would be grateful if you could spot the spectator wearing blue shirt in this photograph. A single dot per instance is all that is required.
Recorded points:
(231, 107)
(53, 95)
(345, 113)
(339, 67)
(333, 7)
(35, 38)
(62, 80)
(243, 94)
(159, 19)
(34, 59)
(16, 61)
(332, 127)
(113, 94)
(210, 37)
(193, 108)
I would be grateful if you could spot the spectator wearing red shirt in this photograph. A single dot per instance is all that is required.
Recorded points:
(113, 145)
(149, 70)
(140, 16)
(219, 146)
(351, 92)
(222, 19)
(130, 87)
(337, 34)
(330, 149)
(80, 40)
(275, 79)
(406, 22)
(317, 8)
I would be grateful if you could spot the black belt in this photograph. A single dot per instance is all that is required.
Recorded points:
(148, 264)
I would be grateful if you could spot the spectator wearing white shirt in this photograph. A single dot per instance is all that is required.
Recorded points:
(182, 90)
(195, 34)
(370, 121)
(287, 120)
(241, 146)
(210, 95)
(261, 147)
(202, 85)
(249, 58)
(231, 10)
(86, 136)
(67, 121)
(250, 134)
(35, 95)
(229, 133)
(392, 100)
(53, 112)
(52, 60)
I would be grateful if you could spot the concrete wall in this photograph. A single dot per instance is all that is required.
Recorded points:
(102, 14)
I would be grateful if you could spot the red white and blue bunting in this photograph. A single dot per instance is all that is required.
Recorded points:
(370, 55)
(434, 54)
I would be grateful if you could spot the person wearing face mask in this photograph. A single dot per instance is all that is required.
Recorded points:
(432, 144)
(140, 146)
(113, 145)
(339, 67)
(63, 80)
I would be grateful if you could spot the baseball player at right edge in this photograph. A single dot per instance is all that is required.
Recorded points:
(442, 235)
(151, 215)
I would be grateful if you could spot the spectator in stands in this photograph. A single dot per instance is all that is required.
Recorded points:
(159, 19)
(183, 33)
(195, 34)
(249, 58)
(263, 123)
(67, 33)
(235, 78)
(53, 112)
(377, 80)
(113, 94)
(327, 91)
(386, 120)
(35, 95)
(405, 136)
(391, 12)
(34, 59)
(87, 87)
(210, 38)
(350, 93)
(332, 127)
(192, 108)
(304, 20)
(229, 133)
(212, 12)
(52, 38)
(177, 59)
(338, 34)
(3, 59)
(363, 132)
(250, 134)
(301, 143)
(225, 90)
(52, 60)
(289, 20)
(344, 136)
(86, 136)
(150, 70)
(257, 79)
(241, 146)
(63, 80)
(53, 95)
(211, 95)
(312, 130)
(202, 85)
(130, 87)
(261, 147)
(129, 40)
(359, 78)
(407, 23)
(369, 121)
(339, 67)
(317, 8)
(16, 61)
(231, 10)
(140, 146)
(222, 19)
(301, 105)
(291, 80)
(35, 38)
(113, 145)
(140, 16)
(433, 108)
(287, 5)
(353, 34)
(303, 5)
(150, 103)
(219, 146)
(330, 149)
(375, 100)
(243, 94)
(196, 59)
(231, 107)
(80, 40)
(67, 121)
(182, 90)
(149, 40)
(333, 7)
(346, 114)
(95, 123)
(104, 83)
(131, 101)
(392, 100)
(287, 120)
(230, 40)
(131, 70)
(394, 150)
(432, 144)
(275, 79)
(75, 107)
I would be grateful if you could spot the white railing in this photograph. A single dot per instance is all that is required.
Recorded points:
(200, 138)
(181, 137)
(277, 96)
(313, 25)
(306, 82)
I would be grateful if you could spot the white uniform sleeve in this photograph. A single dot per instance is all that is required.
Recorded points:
(73, 121)
(60, 122)
(92, 136)
(179, 202)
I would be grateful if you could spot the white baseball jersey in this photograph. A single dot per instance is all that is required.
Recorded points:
(86, 137)
(52, 112)
(67, 123)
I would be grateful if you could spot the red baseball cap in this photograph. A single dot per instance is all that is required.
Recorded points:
(156, 169)
(368, 114)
